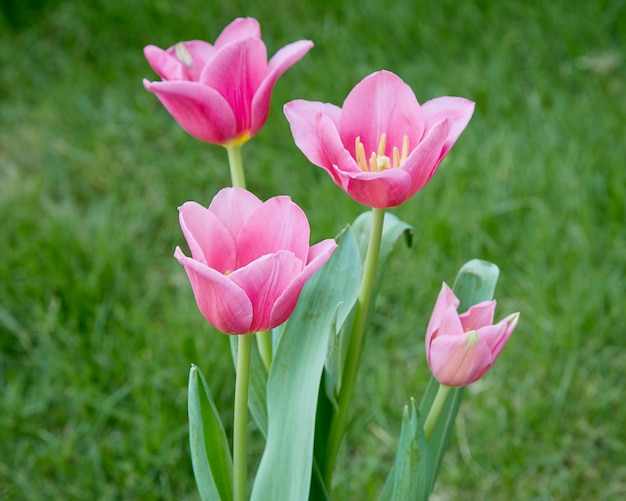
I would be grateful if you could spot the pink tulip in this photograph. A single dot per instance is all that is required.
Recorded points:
(250, 259)
(381, 147)
(461, 348)
(221, 93)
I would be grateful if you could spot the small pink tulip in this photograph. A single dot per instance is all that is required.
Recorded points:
(221, 93)
(461, 348)
(381, 147)
(250, 259)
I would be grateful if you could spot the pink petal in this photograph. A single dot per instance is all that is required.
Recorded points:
(421, 163)
(236, 71)
(381, 190)
(264, 280)
(233, 207)
(455, 362)
(225, 305)
(479, 315)
(497, 335)
(282, 60)
(314, 129)
(278, 224)
(445, 301)
(240, 29)
(200, 53)
(381, 102)
(167, 66)
(457, 110)
(286, 303)
(198, 109)
(209, 240)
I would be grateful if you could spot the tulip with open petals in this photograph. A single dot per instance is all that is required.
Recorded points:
(381, 147)
(461, 348)
(250, 259)
(221, 93)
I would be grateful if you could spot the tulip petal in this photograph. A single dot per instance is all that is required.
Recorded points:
(497, 335)
(258, 238)
(381, 103)
(380, 190)
(264, 280)
(240, 29)
(222, 302)
(445, 301)
(233, 207)
(421, 163)
(479, 315)
(285, 304)
(455, 362)
(209, 240)
(280, 62)
(457, 110)
(236, 72)
(314, 129)
(166, 65)
(198, 109)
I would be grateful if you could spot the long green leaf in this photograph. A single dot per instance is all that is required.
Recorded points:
(293, 385)
(409, 476)
(210, 454)
(475, 282)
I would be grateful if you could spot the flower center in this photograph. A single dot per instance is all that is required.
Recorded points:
(378, 161)
(183, 55)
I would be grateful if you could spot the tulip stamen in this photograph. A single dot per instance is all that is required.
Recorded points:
(378, 161)
(359, 151)
(183, 54)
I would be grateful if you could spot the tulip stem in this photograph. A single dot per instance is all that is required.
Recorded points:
(357, 334)
(235, 161)
(240, 454)
(264, 342)
(435, 410)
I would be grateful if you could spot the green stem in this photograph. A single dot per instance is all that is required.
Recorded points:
(435, 410)
(353, 356)
(240, 454)
(235, 161)
(264, 342)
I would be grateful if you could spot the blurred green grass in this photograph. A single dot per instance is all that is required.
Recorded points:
(98, 325)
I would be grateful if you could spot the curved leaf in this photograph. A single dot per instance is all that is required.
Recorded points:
(284, 473)
(213, 471)
(409, 479)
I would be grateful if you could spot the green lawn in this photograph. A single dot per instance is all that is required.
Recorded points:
(98, 325)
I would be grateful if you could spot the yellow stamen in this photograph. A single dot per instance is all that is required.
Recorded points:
(359, 151)
(381, 144)
(405, 149)
(183, 55)
(227, 272)
(378, 161)
(373, 162)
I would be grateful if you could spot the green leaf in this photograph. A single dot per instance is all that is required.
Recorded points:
(475, 282)
(409, 476)
(284, 473)
(213, 471)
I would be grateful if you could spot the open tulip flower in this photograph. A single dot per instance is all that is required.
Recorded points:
(250, 259)
(381, 147)
(221, 93)
(461, 348)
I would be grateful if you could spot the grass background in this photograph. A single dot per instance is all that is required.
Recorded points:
(98, 325)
